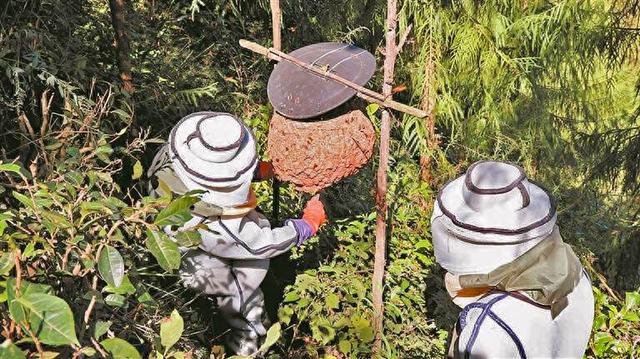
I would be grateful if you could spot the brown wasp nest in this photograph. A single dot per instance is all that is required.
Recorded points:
(315, 155)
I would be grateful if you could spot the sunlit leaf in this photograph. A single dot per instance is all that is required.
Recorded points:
(137, 170)
(120, 349)
(171, 330)
(164, 250)
(50, 317)
(177, 212)
(111, 266)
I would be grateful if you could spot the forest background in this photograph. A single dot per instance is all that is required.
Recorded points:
(85, 271)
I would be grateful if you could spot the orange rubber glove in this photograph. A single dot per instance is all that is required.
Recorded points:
(264, 171)
(314, 213)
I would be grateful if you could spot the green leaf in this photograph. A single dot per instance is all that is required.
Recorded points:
(164, 250)
(178, 212)
(115, 300)
(120, 349)
(189, 239)
(344, 346)
(111, 266)
(273, 334)
(50, 317)
(16, 310)
(4, 217)
(9, 167)
(332, 301)
(57, 219)
(26, 201)
(171, 330)
(363, 329)
(137, 170)
(322, 331)
(8, 350)
(291, 297)
(372, 108)
(7, 262)
(125, 288)
(631, 300)
(101, 328)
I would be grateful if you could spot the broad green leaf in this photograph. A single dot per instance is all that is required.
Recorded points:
(8, 350)
(291, 297)
(178, 212)
(344, 346)
(164, 250)
(115, 300)
(15, 309)
(189, 239)
(111, 266)
(88, 351)
(171, 330)
(146, 298)
(632, 299)
(57, 219)
(4, 217)
(7, 261)
(101, 329)
(273, 334)
(50, 317)
(48, 355)
(125, 288)
(120, 349)
(26, 201)
(363, 329)
(87, 208)
(137, 170)
(332, 301)
(9, 167)
(322, 331)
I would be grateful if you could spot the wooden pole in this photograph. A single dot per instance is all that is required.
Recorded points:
(276, 20)
(380, 259)
(364, 93)
(123, 50)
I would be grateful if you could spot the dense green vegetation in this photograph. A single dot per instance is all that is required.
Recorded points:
(552, 85)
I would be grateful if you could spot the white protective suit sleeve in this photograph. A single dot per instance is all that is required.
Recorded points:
(246, 237)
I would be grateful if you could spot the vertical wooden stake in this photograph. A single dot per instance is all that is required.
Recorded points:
(381, 194)
(276, 19)
(123, 51)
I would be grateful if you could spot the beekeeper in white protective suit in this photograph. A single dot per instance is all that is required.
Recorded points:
(524, 291)
(216, 153)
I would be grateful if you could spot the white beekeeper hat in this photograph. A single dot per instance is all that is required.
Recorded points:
(214, 152)
(489, 217)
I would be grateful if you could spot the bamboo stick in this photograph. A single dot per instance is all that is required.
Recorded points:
(364, 93)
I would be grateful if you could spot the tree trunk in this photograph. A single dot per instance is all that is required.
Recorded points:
(123, 51)
(381, 195)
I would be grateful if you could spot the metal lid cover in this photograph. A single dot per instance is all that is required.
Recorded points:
(297, 93)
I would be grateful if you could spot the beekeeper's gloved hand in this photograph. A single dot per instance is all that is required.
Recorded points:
(264, 171)
(313, 217)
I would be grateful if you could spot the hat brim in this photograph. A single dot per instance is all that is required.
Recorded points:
(493, 226)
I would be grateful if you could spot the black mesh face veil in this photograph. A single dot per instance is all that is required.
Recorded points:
(297, 93)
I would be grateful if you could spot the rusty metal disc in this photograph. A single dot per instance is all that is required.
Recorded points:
(297, 93)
